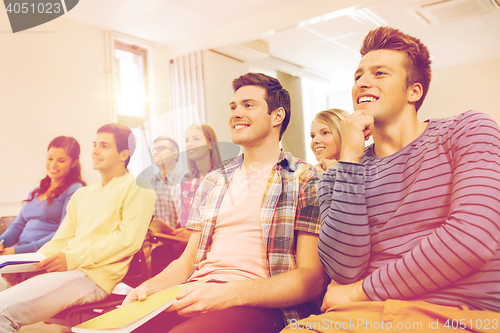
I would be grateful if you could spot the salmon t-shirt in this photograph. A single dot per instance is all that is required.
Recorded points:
(237, 251)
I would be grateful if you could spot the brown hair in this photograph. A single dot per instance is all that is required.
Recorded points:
(215, 157)
(72, 149)
(124, 139)
(332, 119)
(276, 96)
(417, 64)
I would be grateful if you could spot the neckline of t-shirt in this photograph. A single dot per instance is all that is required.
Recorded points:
(408, 146)
(258, 173)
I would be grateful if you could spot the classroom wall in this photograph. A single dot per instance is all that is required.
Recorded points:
(457, 89)
(54, 82)
(295, 128)
(220, 71)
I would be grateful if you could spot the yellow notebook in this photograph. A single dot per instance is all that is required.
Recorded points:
(127, 318)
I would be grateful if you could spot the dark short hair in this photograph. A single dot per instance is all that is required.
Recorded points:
(166, 138)
(172, 141)
(124, 138)
(276, 96)
(417, 64)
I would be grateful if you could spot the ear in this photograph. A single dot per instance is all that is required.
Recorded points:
(74, 163)
(124, 154)
(415, 92)
(278, 116)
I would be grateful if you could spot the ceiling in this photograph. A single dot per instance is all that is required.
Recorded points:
(171, 22)
(314, 41)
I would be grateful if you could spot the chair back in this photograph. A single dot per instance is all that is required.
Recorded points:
(137, 270)
(5, 222)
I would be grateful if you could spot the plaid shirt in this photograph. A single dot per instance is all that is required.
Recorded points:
(168, 197)
(290, 203)
(189, 185)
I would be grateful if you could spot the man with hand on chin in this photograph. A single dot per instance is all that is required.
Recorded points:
(411, 224)
(104, 227)
(254, 225)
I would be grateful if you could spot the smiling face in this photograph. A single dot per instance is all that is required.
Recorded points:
(105, 153)
(196, 143)
(165, 153)
(58, 164)
(380, 88)
(250, 121)
(323, 143)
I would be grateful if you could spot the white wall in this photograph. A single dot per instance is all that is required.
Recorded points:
(220, 71)
(54, 82)
(295, 128)
(457, 89)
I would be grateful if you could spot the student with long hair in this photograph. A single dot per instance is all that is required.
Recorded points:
(203, 156)
(325, 137)
(45, 207)
(90, 253)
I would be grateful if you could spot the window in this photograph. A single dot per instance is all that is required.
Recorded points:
(131, 82)
(131, 91)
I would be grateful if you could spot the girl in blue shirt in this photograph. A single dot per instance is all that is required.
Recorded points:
(45, 207)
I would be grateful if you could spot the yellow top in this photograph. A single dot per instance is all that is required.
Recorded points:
(103, 228)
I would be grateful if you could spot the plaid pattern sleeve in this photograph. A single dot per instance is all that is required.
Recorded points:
(289, 204)
(206, 204)
(193, 213)
(188, 188)
(308, 216)
(168, 198)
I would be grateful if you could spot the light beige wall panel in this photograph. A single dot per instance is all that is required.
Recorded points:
(220, 71)
(457, 89)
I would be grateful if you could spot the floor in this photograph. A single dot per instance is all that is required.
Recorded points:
(44, 328)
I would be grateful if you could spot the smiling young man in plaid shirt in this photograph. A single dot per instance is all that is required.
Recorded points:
(255, 225)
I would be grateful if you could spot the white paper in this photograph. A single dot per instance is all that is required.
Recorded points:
(13, 267)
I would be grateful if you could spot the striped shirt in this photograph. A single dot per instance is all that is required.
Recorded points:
(423, 223)
(290, 203)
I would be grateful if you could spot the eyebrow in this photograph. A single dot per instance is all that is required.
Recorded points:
(244, 101)
(372, 68)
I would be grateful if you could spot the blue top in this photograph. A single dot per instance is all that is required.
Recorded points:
(36, 223)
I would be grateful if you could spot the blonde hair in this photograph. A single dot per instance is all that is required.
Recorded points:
(211, 138)
(332, 119)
